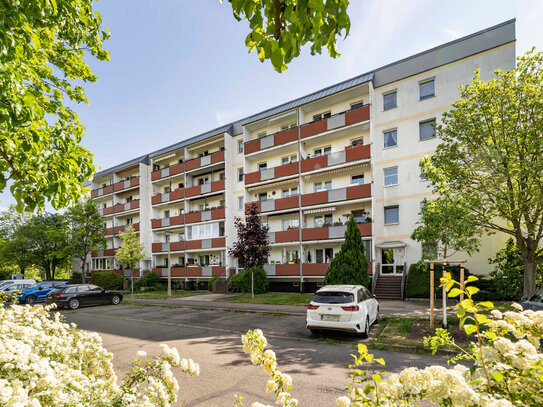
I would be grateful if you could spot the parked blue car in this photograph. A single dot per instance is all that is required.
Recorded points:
(38, 292)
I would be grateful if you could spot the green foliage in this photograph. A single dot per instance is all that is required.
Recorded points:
(131, 250)
(490, 156)
(241, 282)
(108, 280)
(152, 278)
(350, 265)
(508, 272)
(417, 283)
(44, 47)
(210, 282)
(76, 278)
(279, 28)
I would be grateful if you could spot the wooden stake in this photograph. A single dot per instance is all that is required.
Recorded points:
(431, 295)
(462, 281)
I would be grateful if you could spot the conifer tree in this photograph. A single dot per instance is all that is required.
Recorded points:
(350, 265)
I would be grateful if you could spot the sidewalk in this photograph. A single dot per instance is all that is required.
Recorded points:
(212, 302)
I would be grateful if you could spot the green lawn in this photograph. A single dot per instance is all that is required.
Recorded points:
(274, 298)
(161, 295)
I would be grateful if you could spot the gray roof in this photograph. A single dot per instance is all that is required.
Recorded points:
(464, 47)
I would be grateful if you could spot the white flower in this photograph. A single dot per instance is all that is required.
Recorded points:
(343, 401)
(142, 353)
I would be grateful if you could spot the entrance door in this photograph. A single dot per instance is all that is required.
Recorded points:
(390, 262)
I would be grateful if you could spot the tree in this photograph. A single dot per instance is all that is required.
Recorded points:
(279, 28)
(15, 245)
(350, 265)
(44, 45)
(86, 230)
(446, 225)
(491, 157)
(131, 250)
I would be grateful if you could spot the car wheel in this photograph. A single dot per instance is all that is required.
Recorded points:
(314, 332)
(376, 319)
(30, 300)
(366, 332)
(73, 303)
(116, 300)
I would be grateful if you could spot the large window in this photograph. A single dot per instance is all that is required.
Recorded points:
(322, 150)
(427, 89)
(392, 215)
(427, 129)
(357, 179)
(326, 185)
(206, 231)
(321, 116)
(391, 176)
(289, 159)
(290, 192)
(323, 220)
(390, 138)
(240, 146)
(290, 223)
(389, 101)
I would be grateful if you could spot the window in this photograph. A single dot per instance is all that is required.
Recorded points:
(326, 185)
(390, 138)
(357, 105)
(290, 223)
(427, 89)
(129, 221)
(181, 185)
(289, 159)
(357, 142)
(292, 256)
(240, 202)
(221, 176)
(181, 237)
(104, 206)
(321, 116)
(167, 214)
(203, 207)
(427, 129)
(203, 154)
(359, 216)
(263, 196)
(357, 179)
(288, 126)
(167, 190)
(240, 174)
(322, 150)
(391, 176)
(323, 220)
(222, 203)
(261, 134)
(290, 192)
(392, 215)
(389, 101)
(129, 199)
(262, 166)
(203, 180)
(240, 146)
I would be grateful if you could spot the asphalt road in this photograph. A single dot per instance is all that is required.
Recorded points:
(319, 368)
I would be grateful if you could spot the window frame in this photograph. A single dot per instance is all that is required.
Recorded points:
(428, 80)
(358, 183)
(388, 93)
(240, 147)
(397, 208)
(385, 176)
(385, 137)
(421, 123)
(241, 175)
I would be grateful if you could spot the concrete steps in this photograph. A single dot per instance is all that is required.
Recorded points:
(388, 288)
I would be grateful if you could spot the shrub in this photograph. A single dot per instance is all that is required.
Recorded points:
(76, 278)
(210, 283)
(417, 282)
(139, 283)
(108, 280)
(241, 282)
(151, 278)
(236, 283)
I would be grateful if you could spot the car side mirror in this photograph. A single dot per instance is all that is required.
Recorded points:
(40, 288)
(524, 298)
(103, 290)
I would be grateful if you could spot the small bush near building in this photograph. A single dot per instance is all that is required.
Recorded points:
(241, 282)
(210, 283)
(76, 278)
(108, 280)
(151, 278)
(417, 283)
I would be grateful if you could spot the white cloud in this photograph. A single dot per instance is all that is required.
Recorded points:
(228, 116)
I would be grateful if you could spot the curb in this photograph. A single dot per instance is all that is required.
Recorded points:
(411, 349)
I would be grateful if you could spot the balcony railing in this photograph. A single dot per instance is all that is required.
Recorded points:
(168, 196)
(102, 191)
(105, 211)
(128, 206)
(350, 154)
(198, 162)
(309, 129)
(130, 183)
(314, 198)
(216, 242)
(165, 222)
(318, 233)
(192, 271)
(308, 269)
(168, 171)
(163, 247)
(205, 188)
(104, 253)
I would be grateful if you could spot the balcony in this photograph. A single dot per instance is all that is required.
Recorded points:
(275, 204)
(205, 188)
(168, 171)
(272, 173)
(105, 211)
(192, 271)
(163, 247)
(124, 228)
(104, 253)
(308, 269)
(128, 206)
(212, 158)
(165, 222)
(202, 216)
(130, 183)
(271, 140)
(102, 191)
(168, 196)
(216, 242)
(318, 233)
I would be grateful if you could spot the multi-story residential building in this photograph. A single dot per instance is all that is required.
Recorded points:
(350, 149)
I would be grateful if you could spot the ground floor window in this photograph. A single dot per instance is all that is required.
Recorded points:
(102, 264)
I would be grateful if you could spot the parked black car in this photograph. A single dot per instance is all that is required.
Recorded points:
(75, 295)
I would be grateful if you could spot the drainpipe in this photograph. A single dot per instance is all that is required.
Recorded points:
(300, 219)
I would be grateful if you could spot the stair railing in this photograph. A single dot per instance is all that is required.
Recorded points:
(375, 277)
(220, 281)
(404, 274)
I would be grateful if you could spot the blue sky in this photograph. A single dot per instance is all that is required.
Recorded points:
(180, 67)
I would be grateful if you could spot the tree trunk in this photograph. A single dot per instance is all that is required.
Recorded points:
(530, 270)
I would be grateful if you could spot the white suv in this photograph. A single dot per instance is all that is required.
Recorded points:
(350, 308)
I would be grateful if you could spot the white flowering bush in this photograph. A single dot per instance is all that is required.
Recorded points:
(46, 362)
(506, 363)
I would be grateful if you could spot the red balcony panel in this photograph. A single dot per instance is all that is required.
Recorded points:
(136, 226)
(108, 190)
(156, 247)
(314, 269)
(315, 198)
(177, 168)
(315, 163)
(118, 229)
(359, 191)
(158, 270)
(156, 175)
(248, 205)
(156, 199)
(217, 157)
(290, 235)
(218, 242)
(119, 272)
(252, 177)
(357, 115)
(178, 271)
(218, 213)
(194, 271)
(315, 233)
(134, 181)
(177, 220)
(108, 231)
(365, 229)
(135, 204)
(94, 193)
(177, 194)
(177, 246)
(109, 252)
(287, 270)
(313, 128)
(118, 208)
(361, 152)
(285, 136)
(195, 190)
(217, 186)
(108, 210)
(118, 186)
(192, 217)
(251, 146)
(192, 164)
(156, 223)
(286, 203)
(218, 270)
(287, 169)
(194, 244)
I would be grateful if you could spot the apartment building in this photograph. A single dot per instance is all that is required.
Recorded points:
(308, 164)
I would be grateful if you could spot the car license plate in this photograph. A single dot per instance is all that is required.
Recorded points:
(325, 317)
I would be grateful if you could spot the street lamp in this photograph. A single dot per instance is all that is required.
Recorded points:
(169, 266)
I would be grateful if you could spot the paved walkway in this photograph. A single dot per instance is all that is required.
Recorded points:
(213, 302)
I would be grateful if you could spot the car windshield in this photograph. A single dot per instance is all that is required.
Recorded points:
(333, 297)
(538, 296)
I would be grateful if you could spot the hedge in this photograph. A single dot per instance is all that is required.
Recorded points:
(241, 282)
(417, 283)
(108, 280)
